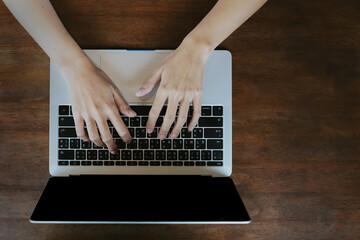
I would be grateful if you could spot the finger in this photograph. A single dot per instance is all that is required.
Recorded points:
(79, 127)
(196, 111)
(150, 83)
(93, 132)
(106, 136)
(155, 111)
(169, 118)
(119, 126)
(122, 105)
(181, 118)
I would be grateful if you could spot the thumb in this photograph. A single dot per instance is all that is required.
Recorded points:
(150, 83)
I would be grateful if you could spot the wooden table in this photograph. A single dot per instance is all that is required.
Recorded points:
(296, 109)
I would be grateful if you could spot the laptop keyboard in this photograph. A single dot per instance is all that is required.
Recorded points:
(201, 147)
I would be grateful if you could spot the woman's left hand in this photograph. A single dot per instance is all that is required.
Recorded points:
(181, 79)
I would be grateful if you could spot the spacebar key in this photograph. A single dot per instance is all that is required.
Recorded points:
(210, 122)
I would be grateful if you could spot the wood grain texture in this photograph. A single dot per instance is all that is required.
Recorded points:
(296, 109)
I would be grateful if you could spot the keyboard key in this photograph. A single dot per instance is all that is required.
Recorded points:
(159, 121)
(194, 155)
(80, 154)
(163, 110)
(166, 163)
(189, 144)
(154, 163)
(66, 154)
(143, 143)
(109, 163)
(141, 109)
(132, 144)
(71, 113)
(63, 143)
(131, 131)
(125, 154)
(120, 143)
(197, 132)
(103, 154)
(189, 164)
(109, 123)
(185, 133)
(140, 132)
(75, 143)
(213, 132)
(75, 163)
(200, 163)
(178, 163)
(154, 143)
(115, 134)
(178, 144)
(215, 144)
(217, 164)
(63, 163)
(85, 163)
(135, 122)
(160, 155)
(206, 111)
(166, 144)
(191, 109)
(131, 163)
(200, 144)
(94, 146)
(171, 155)
(218, 155)
(137, 154)
(217, 110)
(143, 163)
(63, 110)
(97, 163)
(91, 154)
(85, 145)
(153, 134)
(210, 122)
(120, 163)
(115, 156)
(144, 121)
(67, 132)
(183, 155)
(206, 155)
(149, 154)
(66, 121)
(125, 120)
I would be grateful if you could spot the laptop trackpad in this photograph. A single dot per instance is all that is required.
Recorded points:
(152, 199)
(130, 69)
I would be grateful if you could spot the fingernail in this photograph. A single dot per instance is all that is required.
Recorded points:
(149, 130)
(190, 129)
(130, 112)
(162, 137)
(113, 152)
(173, 135)
(140, 91)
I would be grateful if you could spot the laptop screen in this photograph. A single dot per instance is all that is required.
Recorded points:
(140, 199)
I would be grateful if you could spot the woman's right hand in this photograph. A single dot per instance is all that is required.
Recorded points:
(95, 99)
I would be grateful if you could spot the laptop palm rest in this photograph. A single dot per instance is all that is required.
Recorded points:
(140, 199)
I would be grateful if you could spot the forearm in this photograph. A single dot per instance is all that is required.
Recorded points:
(40, 20)
(225, 17)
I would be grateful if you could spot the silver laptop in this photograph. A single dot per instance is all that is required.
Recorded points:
(182, 180)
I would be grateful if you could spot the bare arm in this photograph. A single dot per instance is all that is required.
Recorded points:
(95, 98)
(181, 75)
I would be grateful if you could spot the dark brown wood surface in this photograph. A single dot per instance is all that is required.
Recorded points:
(296, 115)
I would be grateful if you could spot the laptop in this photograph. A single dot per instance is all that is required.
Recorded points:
(149, 181)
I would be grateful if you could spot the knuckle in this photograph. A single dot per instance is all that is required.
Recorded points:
(107, 139)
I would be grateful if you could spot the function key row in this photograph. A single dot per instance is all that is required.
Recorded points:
(143, 110)
(141, 155)
(138, 163)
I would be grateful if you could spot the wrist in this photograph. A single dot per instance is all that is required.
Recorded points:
(197, 46)
(72, 68)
